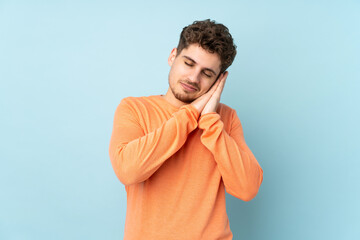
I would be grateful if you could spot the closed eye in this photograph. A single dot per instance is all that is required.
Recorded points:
(191, 65)
(207, 75)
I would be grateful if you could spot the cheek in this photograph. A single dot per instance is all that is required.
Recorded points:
(206, 85)
(175, 73)
(172, 75)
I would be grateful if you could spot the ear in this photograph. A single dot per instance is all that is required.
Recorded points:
(172, 56)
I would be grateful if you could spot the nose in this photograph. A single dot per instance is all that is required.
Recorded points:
(194, 76)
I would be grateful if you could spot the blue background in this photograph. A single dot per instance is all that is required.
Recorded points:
(65, 66)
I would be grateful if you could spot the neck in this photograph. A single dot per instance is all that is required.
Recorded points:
(169, 96)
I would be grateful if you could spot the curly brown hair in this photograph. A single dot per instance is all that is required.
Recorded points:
(211, 36)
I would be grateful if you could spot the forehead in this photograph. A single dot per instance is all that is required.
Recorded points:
(202, 57)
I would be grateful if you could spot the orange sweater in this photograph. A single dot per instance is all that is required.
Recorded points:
(175, 167)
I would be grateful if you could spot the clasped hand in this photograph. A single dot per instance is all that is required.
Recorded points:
(209, 102)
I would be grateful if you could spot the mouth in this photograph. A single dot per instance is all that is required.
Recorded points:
(188, 88)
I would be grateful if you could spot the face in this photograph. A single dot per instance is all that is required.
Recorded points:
(192, 72)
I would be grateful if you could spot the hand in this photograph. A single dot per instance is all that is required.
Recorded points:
(209, 101)
(213, 102)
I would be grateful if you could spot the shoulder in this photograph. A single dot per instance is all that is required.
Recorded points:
(131, 108)
(143, 105)
(136, 101)
(130, 100)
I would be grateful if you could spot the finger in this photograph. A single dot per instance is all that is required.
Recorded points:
(205, 97)
(213, 88)
(222, 83)
(217, 93)
(224, 76)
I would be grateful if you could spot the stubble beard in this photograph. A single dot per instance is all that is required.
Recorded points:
(183, 97)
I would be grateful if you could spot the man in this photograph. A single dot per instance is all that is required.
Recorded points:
(176, 153)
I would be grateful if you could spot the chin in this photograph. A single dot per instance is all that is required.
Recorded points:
(184, 97)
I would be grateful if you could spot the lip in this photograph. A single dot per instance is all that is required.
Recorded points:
(188, 88)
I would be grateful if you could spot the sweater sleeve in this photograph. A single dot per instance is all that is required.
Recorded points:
(240, 171)
(134, 155)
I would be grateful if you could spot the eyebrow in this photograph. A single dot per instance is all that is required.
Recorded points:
(208, 69)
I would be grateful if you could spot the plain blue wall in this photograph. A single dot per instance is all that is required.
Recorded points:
(64, 67)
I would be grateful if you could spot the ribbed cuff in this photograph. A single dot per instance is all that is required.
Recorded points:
(190, 108)
(208, 119)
